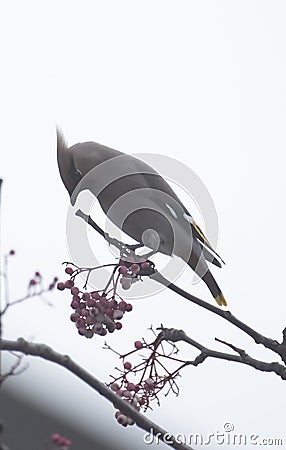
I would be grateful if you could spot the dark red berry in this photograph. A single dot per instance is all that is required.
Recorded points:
(127, 365)
(61, 286)
(12, 252)
(82, 331)
(138, 345)
(118, 314)
(69, 270)
(74, 317)
(104, 302)
(122, 305)
(134, 268)
(75, 290)
(89, 333)
(75, 304)
(55, 438)
(129, 307)
(123, 270)
(118, 326)
(69, 284)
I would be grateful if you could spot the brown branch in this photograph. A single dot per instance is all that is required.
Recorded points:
(46, 352)
(173, 335)
(271, 344)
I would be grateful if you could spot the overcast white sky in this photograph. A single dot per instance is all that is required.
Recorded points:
(201, 82)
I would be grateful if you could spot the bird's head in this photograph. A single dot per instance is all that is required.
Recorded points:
(76, 164)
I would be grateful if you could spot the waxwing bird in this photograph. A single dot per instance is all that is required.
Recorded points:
(139, 201)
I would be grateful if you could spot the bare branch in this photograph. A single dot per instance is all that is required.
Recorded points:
(174, 335)
(271, 344)
(46, 352)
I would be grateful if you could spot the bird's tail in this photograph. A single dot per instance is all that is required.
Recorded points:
(214, 288)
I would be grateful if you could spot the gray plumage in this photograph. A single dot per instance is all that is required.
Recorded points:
(138, 200)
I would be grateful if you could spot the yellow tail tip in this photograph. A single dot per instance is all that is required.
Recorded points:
(221, 301)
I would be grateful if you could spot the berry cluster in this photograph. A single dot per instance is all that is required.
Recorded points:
(131, 272)
(154, 376)
(61, 442)
(101, 311)
(132, 393)
(37, 282)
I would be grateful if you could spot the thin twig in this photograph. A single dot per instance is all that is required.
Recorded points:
(46, 352)
(271, 344)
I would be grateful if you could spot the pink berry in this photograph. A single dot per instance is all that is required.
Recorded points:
(134, 268)
(118, 314)
(149, 383)
(82, 331)
(61, 286)
(64, 443)
(32, 282)
(111, 327)
(114, 387)
(138, 345)
(75, 304)
(127, 365)
(89, 333)
(112, 303)
(145, 265)
(69, 284)
(90, 320)
(80, 323)
(69, 270)
(94, 312)
(126, 284)
(118, 326)
(129, 307)
(122, 419)
(104, 302)
(86, 296)
(75, 290)
(55, 438)
(127, 394)
(95, 295)
(122, 305)
(123, 270)
(130, 387)
(74, 317)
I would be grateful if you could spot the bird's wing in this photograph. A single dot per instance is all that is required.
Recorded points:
(109, 168)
